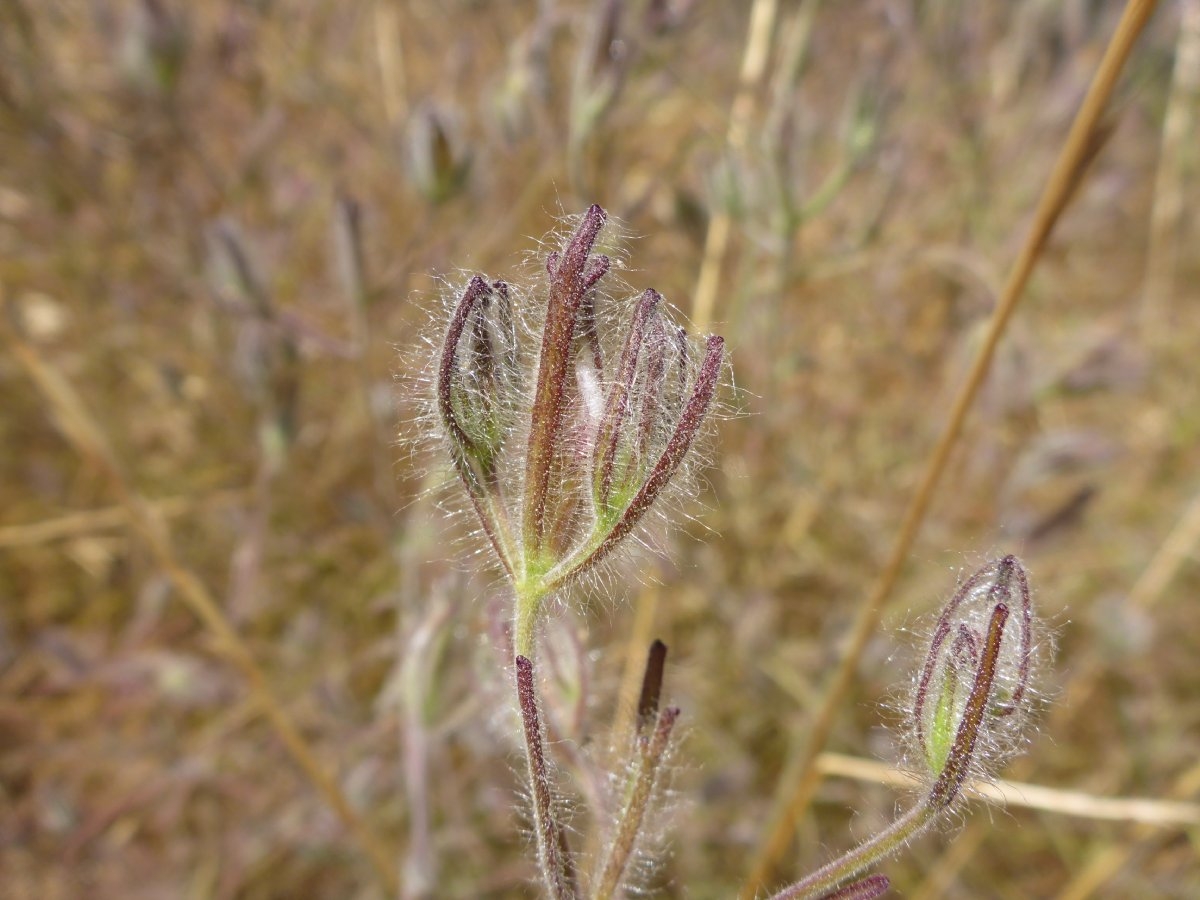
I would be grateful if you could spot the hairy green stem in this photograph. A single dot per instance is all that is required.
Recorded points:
(867, 854)
(527, 607)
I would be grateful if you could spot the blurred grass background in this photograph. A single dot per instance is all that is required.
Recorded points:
(225, 225)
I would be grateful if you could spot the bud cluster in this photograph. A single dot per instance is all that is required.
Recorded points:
(970, 700)
(562, 467)
(967, 712)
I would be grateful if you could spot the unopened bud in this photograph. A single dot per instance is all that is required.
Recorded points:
(972, 692)
(476, 379)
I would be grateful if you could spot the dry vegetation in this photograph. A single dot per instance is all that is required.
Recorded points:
(222, 230)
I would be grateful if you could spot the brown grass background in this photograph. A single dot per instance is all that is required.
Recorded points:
(224, 226)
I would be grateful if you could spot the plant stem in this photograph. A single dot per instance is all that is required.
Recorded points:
(867, 854)
(527, 605)
(553, 854)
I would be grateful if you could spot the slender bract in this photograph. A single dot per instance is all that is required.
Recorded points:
(650, 746)
(651, 749)
(652, 679)
(613, 433)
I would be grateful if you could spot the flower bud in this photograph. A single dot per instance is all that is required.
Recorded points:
(476, 379)
(686, 427)
(971, 696)
(573, 274)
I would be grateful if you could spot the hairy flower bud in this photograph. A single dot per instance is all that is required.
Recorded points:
(476, 379)
(477, 386)
(971, 696)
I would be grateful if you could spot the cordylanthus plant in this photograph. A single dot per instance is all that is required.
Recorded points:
(596, 436)
(966, 714)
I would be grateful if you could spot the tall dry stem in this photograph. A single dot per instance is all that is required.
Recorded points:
(1176, 159)
(796, 793)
